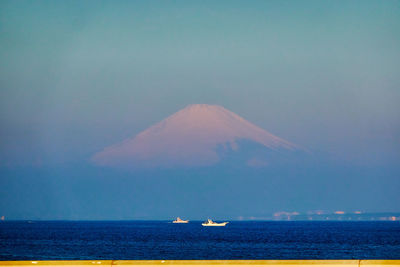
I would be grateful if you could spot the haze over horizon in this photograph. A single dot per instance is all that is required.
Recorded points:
(78, 77)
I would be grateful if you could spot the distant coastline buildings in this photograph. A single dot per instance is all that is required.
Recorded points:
(320, 215)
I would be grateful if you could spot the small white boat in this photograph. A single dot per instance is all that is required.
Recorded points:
(179, 220)
(211, 223)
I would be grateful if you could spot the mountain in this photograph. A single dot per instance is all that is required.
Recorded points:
(198, 135)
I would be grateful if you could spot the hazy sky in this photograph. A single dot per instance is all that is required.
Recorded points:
(77, 76)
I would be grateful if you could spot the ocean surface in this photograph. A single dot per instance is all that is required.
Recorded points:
(134, 240)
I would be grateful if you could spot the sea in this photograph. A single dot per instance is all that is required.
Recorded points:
(163, 240)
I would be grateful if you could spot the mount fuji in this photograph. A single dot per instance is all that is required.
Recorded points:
(198, 135)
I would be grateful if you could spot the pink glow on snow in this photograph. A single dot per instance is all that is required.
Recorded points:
(189, 137)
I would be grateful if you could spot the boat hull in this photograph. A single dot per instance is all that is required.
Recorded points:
(215, 224)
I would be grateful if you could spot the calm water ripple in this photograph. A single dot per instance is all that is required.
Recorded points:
(73, 240)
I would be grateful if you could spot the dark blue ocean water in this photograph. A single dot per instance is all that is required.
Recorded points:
(65, 240)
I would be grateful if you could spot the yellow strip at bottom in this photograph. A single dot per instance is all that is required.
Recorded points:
(199, 263)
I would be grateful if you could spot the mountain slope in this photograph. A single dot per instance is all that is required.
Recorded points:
(190, 137)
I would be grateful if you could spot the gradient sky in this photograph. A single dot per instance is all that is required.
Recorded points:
(77, 76)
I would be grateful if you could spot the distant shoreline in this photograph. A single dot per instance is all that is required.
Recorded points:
(351, 217)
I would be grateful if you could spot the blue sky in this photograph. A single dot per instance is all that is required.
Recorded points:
(76, 76)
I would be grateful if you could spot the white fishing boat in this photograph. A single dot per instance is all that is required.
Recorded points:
(179, 220)
(211, 223)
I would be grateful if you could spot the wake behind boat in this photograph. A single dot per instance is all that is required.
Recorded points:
(211, 223)
(179, 220)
